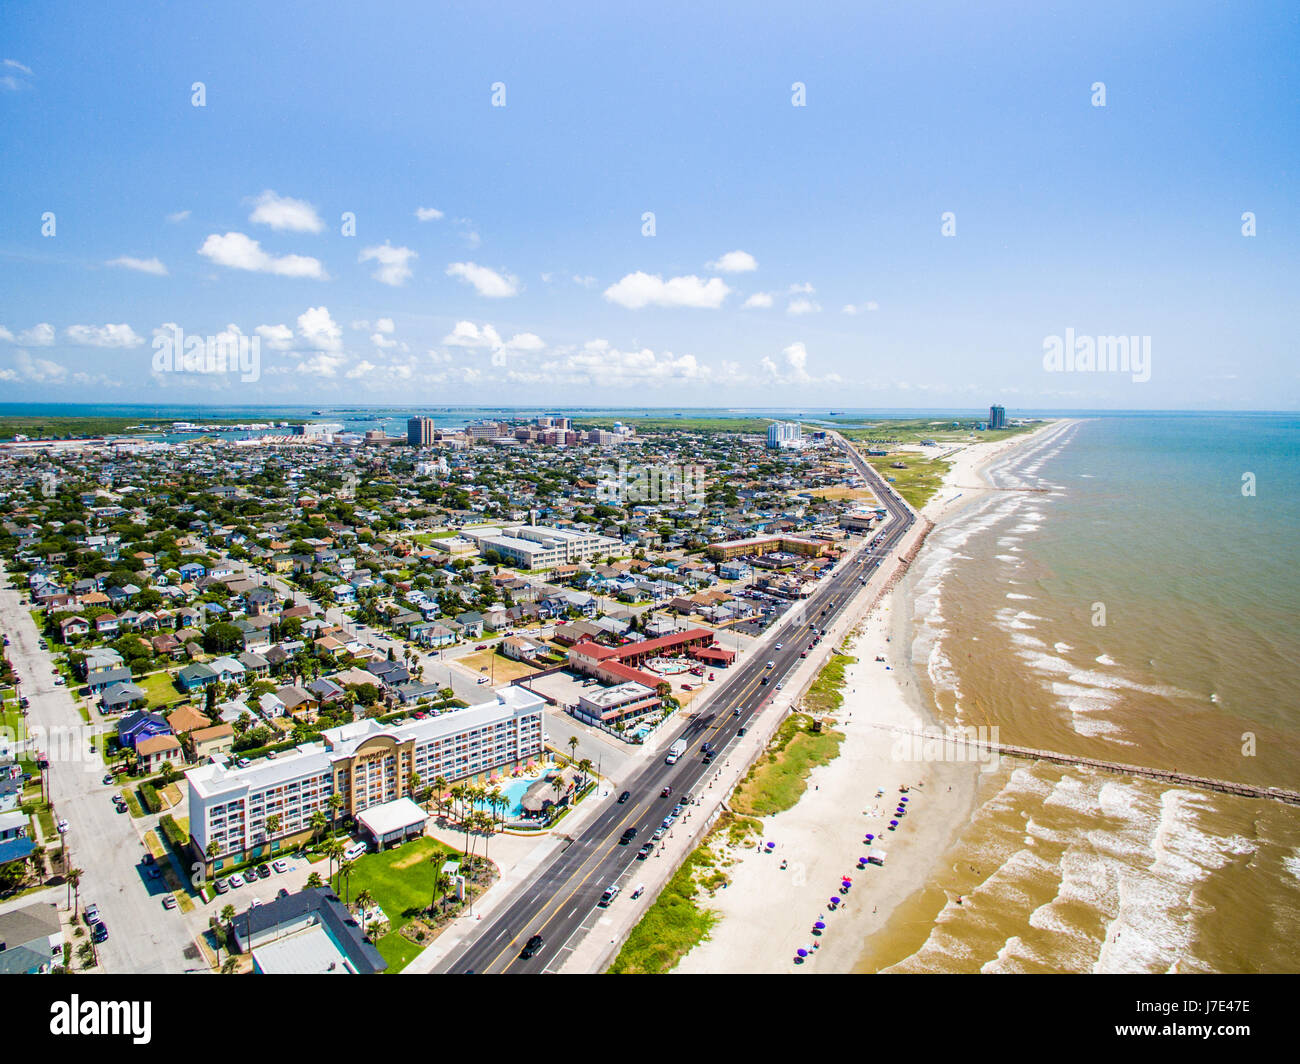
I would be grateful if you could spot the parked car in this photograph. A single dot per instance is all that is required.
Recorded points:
(221, 886)
(263, 872)
(283, 892)
(59, 681)
(481, 646)
(645, 851)
(741, 731)
(669, 821)
(659, 834)
(99, 932)
(236, 880)
(280, 866)
(640, 889)
(531, 947)
(243, 762)
(92, 913)
(611, 892)
(107, 779)
(63, 825)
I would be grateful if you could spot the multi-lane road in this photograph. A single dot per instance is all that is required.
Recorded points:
(560, 898)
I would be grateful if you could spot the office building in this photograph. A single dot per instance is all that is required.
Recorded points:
(419, 432)
(997, 417)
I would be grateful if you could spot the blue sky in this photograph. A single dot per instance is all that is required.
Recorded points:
(797, 255)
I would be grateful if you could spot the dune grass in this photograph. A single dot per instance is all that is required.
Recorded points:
(778, 779)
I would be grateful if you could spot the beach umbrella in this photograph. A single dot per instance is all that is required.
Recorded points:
(903, 801)
(801, 952)
(820, 925)
(771, 845)
(846, 884)
(893, 823)
(834, 902)
(870, 837)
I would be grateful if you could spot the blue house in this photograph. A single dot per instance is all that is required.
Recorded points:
(140, 725)
(192, 571)
(196, 677)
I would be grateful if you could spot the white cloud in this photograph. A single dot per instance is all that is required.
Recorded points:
(801, 289)
(103, 335)
(637, 290)
(585, 280)
(320, 365)
(598, 364)
(385, 325)
(793, 368)
(734, 262)
(803, 306)
(13, 64)
(759, 299)
(5, 334)
(394, 263)
(285, 213)
(487, 282)
(869, 305)
(428, 214)
(41, 335)
(241, 252)
(153, 266)
(468, 233)
(467, 334)
(178, 216)
(277, 337)
(319, 330)
(39, 370)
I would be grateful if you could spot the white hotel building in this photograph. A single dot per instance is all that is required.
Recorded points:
(367, 763)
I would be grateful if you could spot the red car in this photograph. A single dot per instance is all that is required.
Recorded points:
(481, 646)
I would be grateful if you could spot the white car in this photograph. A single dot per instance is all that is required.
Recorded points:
(63, 826)
(779, 646)
(281, 865)
(236, 880)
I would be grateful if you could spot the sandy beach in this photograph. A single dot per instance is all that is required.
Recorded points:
(767, 913)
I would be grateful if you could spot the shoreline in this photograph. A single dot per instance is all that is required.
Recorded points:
(766, 913)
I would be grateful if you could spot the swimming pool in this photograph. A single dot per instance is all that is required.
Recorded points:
(514, 790)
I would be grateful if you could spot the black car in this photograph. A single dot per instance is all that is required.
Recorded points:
(283, 892)
(741, 731)
(263, 872)
(531, 947)
(628, 836)
(645, 851)
(98, 931)
(624, 797)
(763, 682)
(708, 758)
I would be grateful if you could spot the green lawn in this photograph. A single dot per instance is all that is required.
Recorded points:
(778, 779)
(160, 689)
(918, 482)
(401, 882)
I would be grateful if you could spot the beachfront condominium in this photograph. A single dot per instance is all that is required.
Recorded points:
(784, 434)
(365, 763)
(997, 417)
(419, 431)
(539, 547)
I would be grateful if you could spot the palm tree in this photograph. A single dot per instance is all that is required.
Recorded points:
(364, 900)
(440, 789)
(334, 851)
(74, 887)
(318, 823)
(345, 877)
(414, 781)
(314, 880)
(573, 746)
(441, 882)
(584, 766)
(457, 796)
(335, 803)
(231, 966)
(489, 827)
(272, 824)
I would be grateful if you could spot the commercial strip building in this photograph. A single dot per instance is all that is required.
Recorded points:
(759, 545)
(620, 666)
(620, 702)
(366, 763)
(538, 547)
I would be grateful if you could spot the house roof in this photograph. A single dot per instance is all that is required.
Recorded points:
(156, 744)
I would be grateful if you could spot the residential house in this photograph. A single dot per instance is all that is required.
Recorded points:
(121, 697)
(158, 750)
(140, 725)
(196, 677)
(31, 939)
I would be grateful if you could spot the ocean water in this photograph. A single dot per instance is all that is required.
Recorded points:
(1120, 597)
